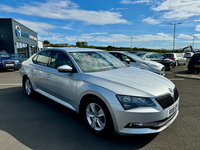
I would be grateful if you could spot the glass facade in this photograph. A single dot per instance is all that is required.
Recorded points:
(33, 49)
(22, 49)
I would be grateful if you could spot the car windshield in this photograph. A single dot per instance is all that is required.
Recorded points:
(96, 61)
(17, 55)
(133, 56)
(4, 54)
(141, 54)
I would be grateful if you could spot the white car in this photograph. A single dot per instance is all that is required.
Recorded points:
(136, 61)
(103, 90)
(188, 54)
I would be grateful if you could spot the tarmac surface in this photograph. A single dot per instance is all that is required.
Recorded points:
(41, 124)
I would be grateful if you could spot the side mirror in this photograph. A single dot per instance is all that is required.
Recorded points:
(127, 60)
(64, 68)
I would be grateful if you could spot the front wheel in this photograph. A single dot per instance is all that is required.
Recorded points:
(97, 117)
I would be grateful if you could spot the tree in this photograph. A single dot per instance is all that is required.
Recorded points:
(78, 43)
(46, 42)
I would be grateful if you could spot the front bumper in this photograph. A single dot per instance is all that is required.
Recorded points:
(157, 119)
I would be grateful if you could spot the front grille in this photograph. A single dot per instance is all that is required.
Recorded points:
(167, 100)
(9, 62)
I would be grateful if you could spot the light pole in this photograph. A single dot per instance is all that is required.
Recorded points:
(131, 42)
(193, 42)
(174, 32)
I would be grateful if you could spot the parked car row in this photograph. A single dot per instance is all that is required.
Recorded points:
(108, 94)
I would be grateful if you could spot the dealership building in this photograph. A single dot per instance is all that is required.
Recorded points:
(15, 38)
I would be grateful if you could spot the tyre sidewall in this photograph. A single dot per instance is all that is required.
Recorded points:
(109, 125)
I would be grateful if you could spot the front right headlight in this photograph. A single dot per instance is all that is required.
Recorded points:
(129, 102)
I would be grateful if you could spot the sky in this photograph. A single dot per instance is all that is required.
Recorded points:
(120, 23)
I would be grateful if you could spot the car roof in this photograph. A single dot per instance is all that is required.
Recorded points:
(117, 51)
(73, 49)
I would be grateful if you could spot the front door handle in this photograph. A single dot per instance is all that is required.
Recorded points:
(49, 75)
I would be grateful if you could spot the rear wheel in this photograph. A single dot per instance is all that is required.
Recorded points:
(28, 87)
(177, 63)
(171, 66)
(97, 117)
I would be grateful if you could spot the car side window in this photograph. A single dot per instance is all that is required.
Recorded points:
(117, 55)
(42, 58)
(158, 56)
(58, 59)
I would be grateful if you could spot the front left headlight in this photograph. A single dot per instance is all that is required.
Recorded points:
(129, 102)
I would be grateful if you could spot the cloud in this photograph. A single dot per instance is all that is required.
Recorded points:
(197, 20)
(183, 36)
(178, 9)
(150, 20)
(198, 28)
(67, 28)
(134, 2)
(39, 27)
(119, 38)
(64, 10)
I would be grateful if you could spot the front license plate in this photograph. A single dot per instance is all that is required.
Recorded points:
(173, 109)
(198, 66)
(9, 64)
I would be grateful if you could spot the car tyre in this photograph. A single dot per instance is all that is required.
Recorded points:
(177, 63)
(171, 66)
(97, 117)
(28, 87)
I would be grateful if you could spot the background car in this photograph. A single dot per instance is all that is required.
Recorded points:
(188, 54)
(7, 62)
(177, 58)
(194, 63)
(168, 63)
(103, 90)
(19, 57)
(138, 62)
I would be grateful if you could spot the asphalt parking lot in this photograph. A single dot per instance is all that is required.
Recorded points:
(38, 123)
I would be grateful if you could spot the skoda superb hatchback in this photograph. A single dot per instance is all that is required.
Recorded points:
(103, 90)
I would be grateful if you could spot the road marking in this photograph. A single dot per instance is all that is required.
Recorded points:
(180, 79)
(12, 84)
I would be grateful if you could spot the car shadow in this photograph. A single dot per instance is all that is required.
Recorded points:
(39, 123)
(7, 70)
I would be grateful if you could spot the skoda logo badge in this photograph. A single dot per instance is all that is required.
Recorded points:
(18, 32)
(170, 90)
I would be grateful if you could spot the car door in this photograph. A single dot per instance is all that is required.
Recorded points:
(61, 85)
(38, 68)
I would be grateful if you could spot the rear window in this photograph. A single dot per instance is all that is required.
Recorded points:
(169, 55)
(196, 56)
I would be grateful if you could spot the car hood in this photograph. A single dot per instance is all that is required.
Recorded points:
(130, 81)
(8, 58)
(152, 63)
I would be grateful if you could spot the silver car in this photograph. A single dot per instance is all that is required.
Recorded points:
(177, 58)
(103, 90)
(136, 61)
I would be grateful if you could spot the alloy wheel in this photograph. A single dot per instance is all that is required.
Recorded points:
(96, 117)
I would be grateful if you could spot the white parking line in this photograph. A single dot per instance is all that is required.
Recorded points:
(178, 79)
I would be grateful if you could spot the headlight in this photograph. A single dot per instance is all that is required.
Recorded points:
(17, 61)
(0, 61)
(129, 102)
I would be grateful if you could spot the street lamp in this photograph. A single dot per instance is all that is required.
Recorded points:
(131, 42)
(193, 42)
(174, 31)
